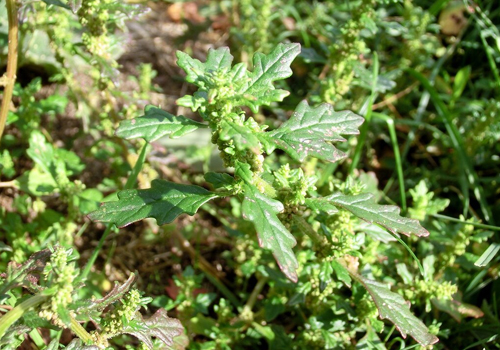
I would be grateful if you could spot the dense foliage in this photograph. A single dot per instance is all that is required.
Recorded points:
(337, 162)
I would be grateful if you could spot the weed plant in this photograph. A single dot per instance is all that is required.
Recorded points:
(284, 244)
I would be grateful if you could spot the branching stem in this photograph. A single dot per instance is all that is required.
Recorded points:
(10, 78)
(252, 299)
(13, 315)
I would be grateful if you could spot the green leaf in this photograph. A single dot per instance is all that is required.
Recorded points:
(281, 339)
(167, 330)
(320, 205)
(164, 201)
(457, 309)
(364, 207)
(266, 70)
(36, 182)
(393, 307)
(196, 70)
(42, 153)
(14, 337)
(57, 3)
(370, 341)
(271, 233)
(195, 101)
(157, 123)
(219, 180)
(273, 307)
(325, 272)
(461, 80)
(97, 306)
(242, 136)
(310, 130)
(242, 171)
(22, 275)
(341, 272)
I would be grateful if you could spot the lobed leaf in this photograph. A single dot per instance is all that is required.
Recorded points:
(156, 123)
(457, 309)
(364, 207)
(196, 70)
(319, 205)
(271, 233)
(219, 180)
(243, 137)
(168, 330)
(113, 296)
(25, 274)
(341, 272)
(393, 307)
(310, 130)
(164, 201)
(266, 70)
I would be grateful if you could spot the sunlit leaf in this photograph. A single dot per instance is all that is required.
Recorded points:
(164, 201)
(272, 234)
(393, 307)
(241, 135)
(364, 207)
(196, 70)
(168, 330)
(157, 123)
(310, 130)
(266, 70)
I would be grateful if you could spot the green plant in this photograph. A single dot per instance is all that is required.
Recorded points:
(58, 303)
(274, 201)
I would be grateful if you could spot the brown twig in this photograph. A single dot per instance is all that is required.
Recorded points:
(10, 77)
(203, 264)
(396, 97)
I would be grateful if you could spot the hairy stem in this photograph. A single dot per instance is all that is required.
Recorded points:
(80, 331)
(10, 79)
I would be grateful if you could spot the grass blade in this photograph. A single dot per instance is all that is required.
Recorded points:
(468, 171)
(397, 156)
(488, 255)
(368, 116)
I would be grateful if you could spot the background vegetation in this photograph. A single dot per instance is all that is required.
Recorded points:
(423, 74)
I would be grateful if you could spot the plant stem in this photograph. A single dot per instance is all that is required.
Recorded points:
(37, 338)
(305, 228)
(13, 315)
(12, 183)
(252, 299)
(11, 63)
(368, 115)
(129, 184)
(255, 293)
(475, 224)
(95, 253)
(397, 156)
(137, 167)
(80, 331)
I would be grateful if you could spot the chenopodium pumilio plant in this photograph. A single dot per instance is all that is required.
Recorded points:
(271, 201)
(53, 279)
